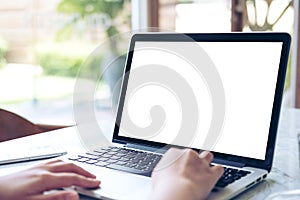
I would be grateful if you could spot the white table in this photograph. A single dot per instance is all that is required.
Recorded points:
(284, 175)
(285, 171)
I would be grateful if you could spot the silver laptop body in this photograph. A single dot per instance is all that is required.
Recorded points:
(218, 91)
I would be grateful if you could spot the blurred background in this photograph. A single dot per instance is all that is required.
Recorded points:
(44, 44)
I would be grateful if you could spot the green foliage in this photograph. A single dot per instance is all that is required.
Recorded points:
(88, 7)
(59, 64)
(64, 34)
(62, 59)
(83, 9)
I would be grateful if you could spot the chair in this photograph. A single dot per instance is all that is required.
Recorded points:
(14, 126)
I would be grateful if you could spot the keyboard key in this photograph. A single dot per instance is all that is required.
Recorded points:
(120, 154)
(82, 159)
(100, 151)
(111, 161)
(122, 159)
(131, 165)
(75, 158)
(103, 159)
(230, 175)
(95, 153)
(104, 149)
(106, 155)
(89, 156)
(115, 157)
(120, 163)
(101, 164)
(91, 161)
(243, 173)
(114, 149)
(111, 153)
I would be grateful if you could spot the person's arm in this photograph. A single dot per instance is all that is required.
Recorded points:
(31, 184)
(184, 174)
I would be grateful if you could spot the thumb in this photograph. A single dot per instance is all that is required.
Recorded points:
(59, 195)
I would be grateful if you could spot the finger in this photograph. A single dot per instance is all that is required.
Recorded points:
(47, 163)
(60, 180)
(70, 167)
(207, 156)
(172, 155)
(191, 156)
(59, 195)
(169, 159)
(218, 171)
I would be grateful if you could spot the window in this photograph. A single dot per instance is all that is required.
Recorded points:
(43, 46)
(226, 16)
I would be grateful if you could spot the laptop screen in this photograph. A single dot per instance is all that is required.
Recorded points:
(168, 89)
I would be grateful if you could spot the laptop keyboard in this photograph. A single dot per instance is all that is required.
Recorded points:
(129, 160)
(143, 163)
(230, 175)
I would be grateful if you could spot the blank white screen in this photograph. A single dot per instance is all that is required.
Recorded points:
(248, 71)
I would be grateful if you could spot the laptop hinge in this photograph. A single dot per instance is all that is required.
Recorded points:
(229, 163)
(145, 148)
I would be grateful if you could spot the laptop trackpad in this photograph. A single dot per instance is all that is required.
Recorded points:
(119, 185)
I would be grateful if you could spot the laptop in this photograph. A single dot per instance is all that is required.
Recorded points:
(220, 92)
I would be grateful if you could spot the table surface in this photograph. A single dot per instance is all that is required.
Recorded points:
(284, 175)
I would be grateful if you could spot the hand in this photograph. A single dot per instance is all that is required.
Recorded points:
(184, 174)
(31, 184)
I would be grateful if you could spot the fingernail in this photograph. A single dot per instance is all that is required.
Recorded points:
(92, 179)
